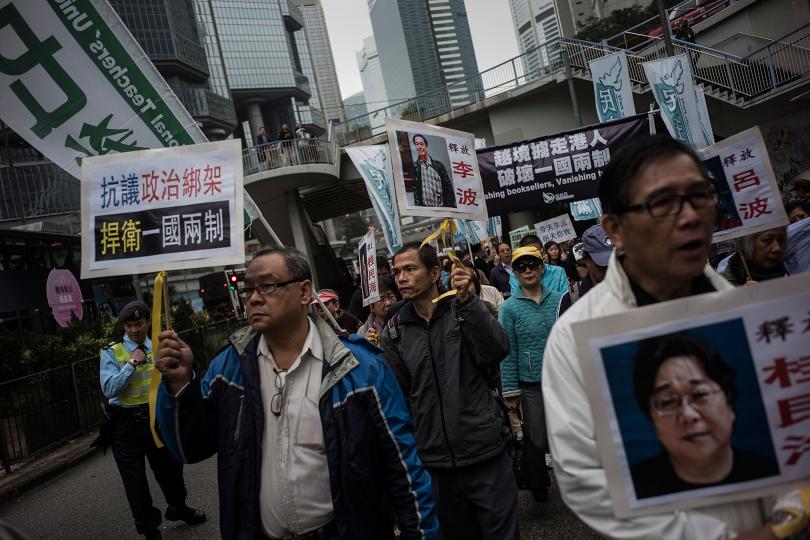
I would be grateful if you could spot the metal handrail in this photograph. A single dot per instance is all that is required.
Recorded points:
(286, 153)
(781, 40)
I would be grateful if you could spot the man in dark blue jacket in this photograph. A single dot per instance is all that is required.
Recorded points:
(312, 432)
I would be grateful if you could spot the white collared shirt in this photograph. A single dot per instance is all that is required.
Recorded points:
(294, 495)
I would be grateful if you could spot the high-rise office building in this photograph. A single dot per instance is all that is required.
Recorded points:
(323, 65)
(169, 35)
(374, 84)
(264, 64)
(536, 24)
(424, 45)
(355, 105)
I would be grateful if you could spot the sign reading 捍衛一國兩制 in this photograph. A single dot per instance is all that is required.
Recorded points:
(561, 168)
(74, 83)
(162, 209)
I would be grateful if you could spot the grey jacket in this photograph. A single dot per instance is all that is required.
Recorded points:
(441, 367)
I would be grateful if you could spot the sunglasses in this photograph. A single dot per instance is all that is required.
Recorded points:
(531, 264)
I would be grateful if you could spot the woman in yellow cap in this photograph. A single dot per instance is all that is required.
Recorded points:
(527, 316)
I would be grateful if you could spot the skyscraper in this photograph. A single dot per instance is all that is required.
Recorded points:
(264, 64)
(323, 66)
(535, 24)
(374, 84)
(424, 45)
(168, 33)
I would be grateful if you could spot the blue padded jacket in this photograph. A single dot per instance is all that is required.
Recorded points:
(377, 479)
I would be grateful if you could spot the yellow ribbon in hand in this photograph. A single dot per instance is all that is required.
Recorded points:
(447, 228)
(157, 305)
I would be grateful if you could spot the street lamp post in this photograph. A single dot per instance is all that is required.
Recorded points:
(662, 14)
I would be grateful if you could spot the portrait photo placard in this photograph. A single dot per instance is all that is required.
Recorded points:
(703, 400)
(435, 171)
(367, 266)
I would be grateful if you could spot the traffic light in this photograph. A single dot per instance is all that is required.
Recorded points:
(233, 279)
(202, 292)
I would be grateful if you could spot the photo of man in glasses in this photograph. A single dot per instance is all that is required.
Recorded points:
(688, 392)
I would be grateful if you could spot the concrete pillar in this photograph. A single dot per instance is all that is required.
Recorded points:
(253, 107)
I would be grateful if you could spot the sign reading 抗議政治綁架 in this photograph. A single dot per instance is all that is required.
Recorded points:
(74, 83)
(162, 209)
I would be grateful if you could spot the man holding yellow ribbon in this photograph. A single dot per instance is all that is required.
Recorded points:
(126, 371)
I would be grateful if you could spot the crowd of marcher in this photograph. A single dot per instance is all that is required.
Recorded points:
(418, 416)
(289, 147)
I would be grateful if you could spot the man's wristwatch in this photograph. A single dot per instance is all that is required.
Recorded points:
(134, 363)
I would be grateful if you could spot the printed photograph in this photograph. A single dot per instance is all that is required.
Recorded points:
(689, 410)
(426, 170)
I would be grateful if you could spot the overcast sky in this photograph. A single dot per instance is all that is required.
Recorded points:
(348, 23)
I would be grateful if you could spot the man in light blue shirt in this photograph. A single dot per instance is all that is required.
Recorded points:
(125, 375)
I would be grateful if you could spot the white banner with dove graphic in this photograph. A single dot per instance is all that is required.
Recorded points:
(612, 87)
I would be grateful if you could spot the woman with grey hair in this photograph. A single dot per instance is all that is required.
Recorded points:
(759, 257)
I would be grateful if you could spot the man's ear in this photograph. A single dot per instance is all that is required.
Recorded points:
(306, 292)
(435, 274)
(612, 224)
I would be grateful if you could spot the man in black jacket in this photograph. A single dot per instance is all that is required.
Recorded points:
(499, 276)
(433, 186)
(443, 354)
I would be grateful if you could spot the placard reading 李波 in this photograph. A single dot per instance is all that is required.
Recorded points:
(162, 209)
(702, 400)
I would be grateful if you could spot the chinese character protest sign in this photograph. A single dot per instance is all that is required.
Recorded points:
(163, 209)
(674, 90)
(516, 235)
(74, 83)
(435, 171)
(586, 209)
(367, 265)
(561, 168)
(374, 165)
(749, 199)
(558, 229)
(612, 87)
(717, 383)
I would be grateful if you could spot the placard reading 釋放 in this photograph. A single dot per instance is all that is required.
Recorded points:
(162, 209)
(702, 400)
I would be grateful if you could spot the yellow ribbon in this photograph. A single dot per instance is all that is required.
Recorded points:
(157, 305)
(447, 228)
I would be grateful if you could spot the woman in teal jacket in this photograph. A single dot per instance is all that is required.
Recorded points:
(527, 316)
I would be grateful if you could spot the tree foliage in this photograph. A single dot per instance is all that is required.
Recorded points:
(620, 20)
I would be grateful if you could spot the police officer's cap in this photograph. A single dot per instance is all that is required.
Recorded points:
(134, 311)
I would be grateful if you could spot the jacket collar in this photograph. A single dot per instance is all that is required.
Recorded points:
(518, 293)
(617, 281)
(337, 358)
(408, 313)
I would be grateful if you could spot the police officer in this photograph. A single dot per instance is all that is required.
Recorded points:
(126, 370)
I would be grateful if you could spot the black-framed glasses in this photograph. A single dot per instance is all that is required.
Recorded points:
(277, 401)
(663, 206)
(264, 289)
(523, 264)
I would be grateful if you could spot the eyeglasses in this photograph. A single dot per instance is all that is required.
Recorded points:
(264, 289)
(670, 404)
(277, 401)
(531, 264)
(664, 206)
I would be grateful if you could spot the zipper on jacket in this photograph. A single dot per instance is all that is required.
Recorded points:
(531, 371)
(239, 418)
(441, 400)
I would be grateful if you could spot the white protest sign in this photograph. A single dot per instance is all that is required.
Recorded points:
(367, 264)
(558, 229)
(163, 209)
(744, 420)
(748, 193)
(374, 166)
(74, 83)
(435, 171)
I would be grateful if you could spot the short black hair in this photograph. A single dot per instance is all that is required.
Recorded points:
(653, 352)
(498, 247)
(475, 248)
(795, 203)
(296, 262)
(419, 135)
(382, 262)
(530, 239)
(427, 255)
(616, 183)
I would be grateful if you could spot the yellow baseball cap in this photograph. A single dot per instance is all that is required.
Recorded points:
(526, 251)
